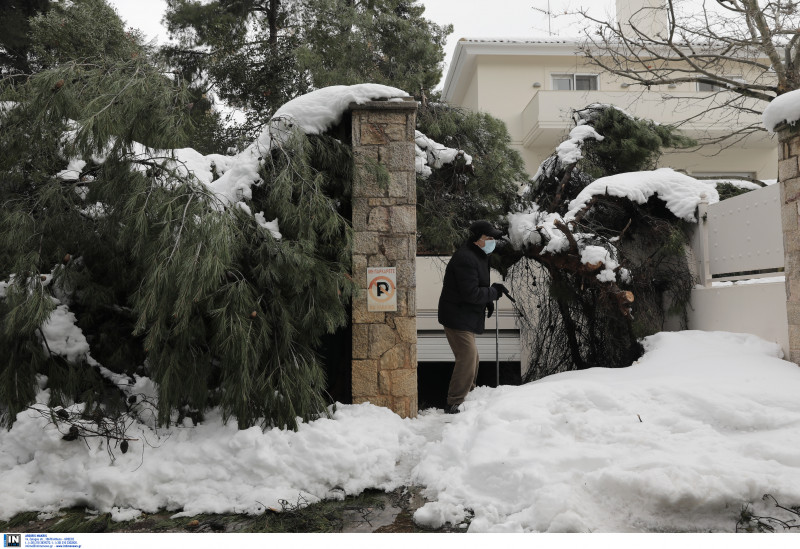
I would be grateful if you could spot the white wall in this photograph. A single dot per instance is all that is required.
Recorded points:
(738, 235)
(758, 309)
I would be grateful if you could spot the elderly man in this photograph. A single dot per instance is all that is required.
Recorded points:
(466, 294)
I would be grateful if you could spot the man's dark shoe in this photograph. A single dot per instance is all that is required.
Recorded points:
(451, 409)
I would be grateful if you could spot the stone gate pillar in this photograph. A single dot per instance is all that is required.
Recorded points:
(789, 180)
(385, 241)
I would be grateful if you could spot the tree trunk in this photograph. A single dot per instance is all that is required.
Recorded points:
(569, 328)
(272, 19)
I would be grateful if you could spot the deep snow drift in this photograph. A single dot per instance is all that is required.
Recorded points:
(702, 424)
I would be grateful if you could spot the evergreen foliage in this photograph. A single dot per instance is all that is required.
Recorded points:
(85, 29)
(576, 324)
(259, 54)
(242, 49)
(629, 145)
(457, 194)
(15, 41)
(729, 190)
(165, 281)
(380, 41)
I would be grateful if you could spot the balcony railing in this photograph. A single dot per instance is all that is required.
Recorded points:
(546, 118)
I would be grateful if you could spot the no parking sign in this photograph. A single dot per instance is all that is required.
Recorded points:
(381, 289)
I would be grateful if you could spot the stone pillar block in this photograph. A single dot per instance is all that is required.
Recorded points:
(789, 180)
(365, 378)
(385, 227)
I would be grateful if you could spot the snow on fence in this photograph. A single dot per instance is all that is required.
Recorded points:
(738, 256)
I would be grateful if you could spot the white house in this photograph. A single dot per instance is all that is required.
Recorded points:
(533, 84)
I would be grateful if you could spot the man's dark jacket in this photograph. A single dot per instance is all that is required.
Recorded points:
(466, 290)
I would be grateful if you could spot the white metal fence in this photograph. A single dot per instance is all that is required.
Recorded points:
(738, 253)
(740, 237)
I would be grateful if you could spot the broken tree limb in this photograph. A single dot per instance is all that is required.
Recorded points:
(573, 244)
(561, 186)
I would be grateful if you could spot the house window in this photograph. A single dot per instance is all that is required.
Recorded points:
(708, 86)
(565, 82)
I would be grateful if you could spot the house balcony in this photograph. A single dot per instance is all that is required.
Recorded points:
(546, 119)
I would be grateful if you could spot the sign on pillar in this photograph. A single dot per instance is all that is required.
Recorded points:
(381, 289)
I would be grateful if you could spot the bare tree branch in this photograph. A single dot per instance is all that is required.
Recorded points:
(747, 51)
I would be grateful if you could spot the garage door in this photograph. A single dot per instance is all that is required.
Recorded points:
(433, 347)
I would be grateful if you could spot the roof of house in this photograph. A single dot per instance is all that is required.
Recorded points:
(468, 48)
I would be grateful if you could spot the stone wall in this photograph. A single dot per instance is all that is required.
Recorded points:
(789, 178)
(385, 225)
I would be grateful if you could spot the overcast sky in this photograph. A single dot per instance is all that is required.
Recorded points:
(470, 18)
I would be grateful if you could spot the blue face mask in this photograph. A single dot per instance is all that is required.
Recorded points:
(488, 246)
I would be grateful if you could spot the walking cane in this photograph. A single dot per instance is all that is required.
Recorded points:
(497, 339)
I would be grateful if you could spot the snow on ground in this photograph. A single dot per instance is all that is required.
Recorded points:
(701, 425)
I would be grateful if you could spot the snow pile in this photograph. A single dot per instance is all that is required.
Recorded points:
(209, 468)
(528, 228)
(522, 227)
(702, 424)
(536, 227)
(680, 193)
(783, 109)
(312, 113)
(569, 151)
(6, 106)
(430, 154)
(271, 226)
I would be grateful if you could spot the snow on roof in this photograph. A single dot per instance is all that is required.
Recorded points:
(783, 109)
(521, 40)
(678, 191)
